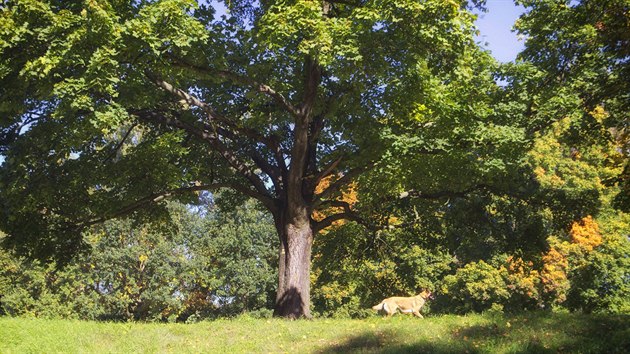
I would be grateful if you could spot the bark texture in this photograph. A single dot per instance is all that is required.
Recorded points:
(293, 296)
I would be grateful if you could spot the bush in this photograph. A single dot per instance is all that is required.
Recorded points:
(474, 287)
(602, 282)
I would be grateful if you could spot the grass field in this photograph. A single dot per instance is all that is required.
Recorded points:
(528, 333)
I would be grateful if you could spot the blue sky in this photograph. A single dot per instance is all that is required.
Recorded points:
(495, 27)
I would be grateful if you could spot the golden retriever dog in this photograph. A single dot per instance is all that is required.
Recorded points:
(404, 304)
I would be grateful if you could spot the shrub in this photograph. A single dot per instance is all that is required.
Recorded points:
(475, 287)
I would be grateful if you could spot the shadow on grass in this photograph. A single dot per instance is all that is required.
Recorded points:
(530, 333)
(362, 342)
(388, 342)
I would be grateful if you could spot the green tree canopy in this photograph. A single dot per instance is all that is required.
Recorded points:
(555, 153)
(582, 51)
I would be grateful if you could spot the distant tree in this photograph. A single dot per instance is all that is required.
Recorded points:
(198, 265)
(577, 55)
(233, 260)
(582, 51)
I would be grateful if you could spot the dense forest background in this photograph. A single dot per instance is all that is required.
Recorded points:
(500, 187)
(205, 262)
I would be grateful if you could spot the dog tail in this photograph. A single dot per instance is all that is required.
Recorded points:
(378, 307)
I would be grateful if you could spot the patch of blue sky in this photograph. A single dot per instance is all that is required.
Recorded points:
(496, 29)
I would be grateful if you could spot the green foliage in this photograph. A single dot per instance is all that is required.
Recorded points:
(78, 56)
(475, 287)
(600, 279)
(581, 51)
(351, 276)
(201, 264)
(464, 186)
(571, 275)
(94, 65)
(600, 283)
(236, 262)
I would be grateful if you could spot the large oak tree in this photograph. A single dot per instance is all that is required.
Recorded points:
(109, 106)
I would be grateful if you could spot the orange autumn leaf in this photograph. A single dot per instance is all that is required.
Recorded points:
(348, 195)
(585, 233)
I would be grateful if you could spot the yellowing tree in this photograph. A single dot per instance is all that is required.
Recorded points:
(554, 272)
(585, 233)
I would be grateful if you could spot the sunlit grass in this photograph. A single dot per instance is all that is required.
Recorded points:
(533, 333)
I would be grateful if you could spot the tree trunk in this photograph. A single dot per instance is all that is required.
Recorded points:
(293, 219)
(294, 283)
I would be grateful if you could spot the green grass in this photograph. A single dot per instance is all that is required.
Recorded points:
(527, 333)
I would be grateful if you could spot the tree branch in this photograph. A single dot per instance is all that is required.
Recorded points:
(215, 117)
(300, 150)
(242, 80)
(189, 99)
(347, 214)
(338, 184)
(231, 132)
(214, 141)
(327, 171)
(441, 194)
(312, 79)
(150, 199)
(274, 172)
(120, 144)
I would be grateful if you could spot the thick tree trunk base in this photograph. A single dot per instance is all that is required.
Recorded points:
(293, 298)
(291, 305)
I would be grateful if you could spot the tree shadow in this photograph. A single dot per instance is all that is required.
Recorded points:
(389, 342)
(531, 333)
(359, 343)
(553, 333)
(290, 305)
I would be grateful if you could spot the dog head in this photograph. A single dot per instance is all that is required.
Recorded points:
(426, 294)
